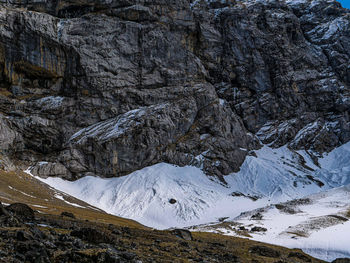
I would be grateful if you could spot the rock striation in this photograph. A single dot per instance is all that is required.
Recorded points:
(108, 87)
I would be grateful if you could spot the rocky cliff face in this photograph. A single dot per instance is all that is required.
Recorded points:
(108, 87)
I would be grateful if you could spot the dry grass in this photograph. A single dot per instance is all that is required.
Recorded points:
(5, 93)
(241, 246)
(230, 226)
(20, 187)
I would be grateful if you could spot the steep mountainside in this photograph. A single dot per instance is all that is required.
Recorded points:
(177, 113)
(109, 87)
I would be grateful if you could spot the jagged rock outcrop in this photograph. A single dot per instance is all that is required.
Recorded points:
(109, 87)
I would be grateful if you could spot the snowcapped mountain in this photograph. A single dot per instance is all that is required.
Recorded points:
(183, 112)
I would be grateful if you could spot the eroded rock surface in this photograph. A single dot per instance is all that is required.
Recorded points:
(108, 87)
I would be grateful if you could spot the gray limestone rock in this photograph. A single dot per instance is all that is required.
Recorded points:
(108, 87)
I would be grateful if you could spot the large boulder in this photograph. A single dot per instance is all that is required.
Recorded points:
(21, 210)
(182, 233)
(3, 211)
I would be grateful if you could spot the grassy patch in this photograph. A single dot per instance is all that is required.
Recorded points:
(20, 187)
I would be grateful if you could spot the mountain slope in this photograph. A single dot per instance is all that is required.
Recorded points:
(319, 224)
(86, 234)
(21, 188)
(174, 113)
(274, 175)
(106, 88)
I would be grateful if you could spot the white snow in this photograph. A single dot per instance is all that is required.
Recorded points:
(23, 193)
(144, 196)
(49, 103)
(275, 175)
(310, 128)
(60, 196)
(113, 128)
(319, 233)
(39, 206)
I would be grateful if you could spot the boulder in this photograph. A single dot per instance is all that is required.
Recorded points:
(182, 233)
(68, 214)
(92, 235)
(21, 210)
(265, 251)
(300, 256)
(258, 229)
(3, 211)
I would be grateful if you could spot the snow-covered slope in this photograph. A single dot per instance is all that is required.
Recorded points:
(271, 177)
(274, 175)
(319, 224)
(144, 196)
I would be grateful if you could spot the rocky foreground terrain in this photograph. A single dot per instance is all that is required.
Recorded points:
(109, 87)
(31, 237)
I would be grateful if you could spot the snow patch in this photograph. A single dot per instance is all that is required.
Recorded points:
(275, 175)
(115, 127)
(320, 227)
(49, 103)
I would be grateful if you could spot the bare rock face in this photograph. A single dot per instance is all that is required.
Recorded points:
(108, 87)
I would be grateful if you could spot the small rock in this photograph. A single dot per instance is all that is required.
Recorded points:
(37, 233)
(23, 236)
(50, 245)
(184, 244)
(300, 256)
(128, 255)
(257, 216)
(114, 230)
(265, 251)
(183, 233)
(3, 211)
(231, 258)
(78, 243)
(258, 229)
(68, 214)
(92, 235)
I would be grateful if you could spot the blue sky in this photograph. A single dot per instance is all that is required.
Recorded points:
(345, 3)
